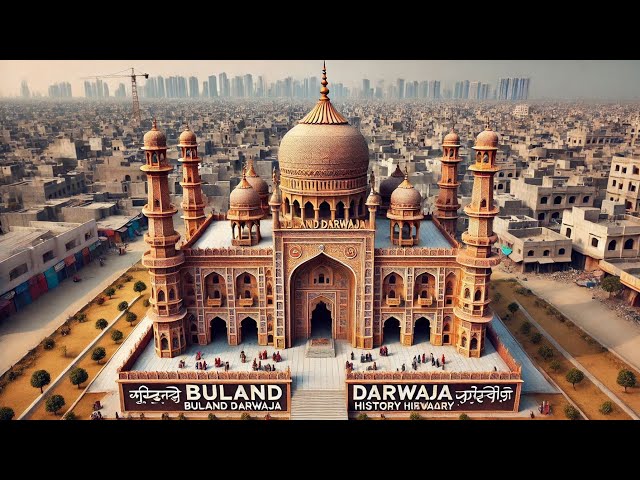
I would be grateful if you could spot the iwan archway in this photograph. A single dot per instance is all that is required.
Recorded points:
(322, 299)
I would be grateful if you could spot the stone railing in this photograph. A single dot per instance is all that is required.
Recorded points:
(393, 301)
(503, 351)
(214, 302)
(432, 376)
(417, 251)
(199, 375)
(137, 349)
(228, 251)
(424, 301)
(245, 302)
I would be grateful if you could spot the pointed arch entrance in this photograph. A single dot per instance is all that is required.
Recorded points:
(322, 300)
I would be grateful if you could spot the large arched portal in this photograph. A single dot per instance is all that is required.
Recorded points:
(391, 331)
(322, 300)
(421, 330)
(218, 330)
(249, 331)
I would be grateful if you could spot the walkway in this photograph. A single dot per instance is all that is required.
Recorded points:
(578, 365)
(25, 330)
(617, 334)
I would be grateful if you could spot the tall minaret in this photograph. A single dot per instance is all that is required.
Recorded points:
(447, 203)
(472, 309)
(162, 259)
(192, 201)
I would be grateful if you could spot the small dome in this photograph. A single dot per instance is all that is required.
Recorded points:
(187, 138)
(244, 197)
(258, 184)
(275, 199)
(451, 138)
(374, 199)
(405, 197)
(487, 139)
(388, 185)
(154, 139)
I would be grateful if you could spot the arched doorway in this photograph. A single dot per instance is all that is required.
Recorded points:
(249, 331)
(391, 331)
(218, 330)
(421, 330)
(321, 321)
(321, 280)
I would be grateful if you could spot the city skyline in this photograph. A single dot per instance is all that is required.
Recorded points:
(551, 79)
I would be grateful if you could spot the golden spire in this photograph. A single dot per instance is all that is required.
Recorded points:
(251, 172)
(154, 126)
(274, 177)
(324, 113)
(486, 123)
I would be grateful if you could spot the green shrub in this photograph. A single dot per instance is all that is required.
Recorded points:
(571, 412)
(128, 278)
(536, 338)
(245, 416)
(464, 416)
(497, 296)
(81, 317)
(130, 317)
(116, 335)
(626, 378)
(606, 408)
(574, 376)
(525, 328)
(49, 343)
(545, 352)
(6, 414)
(70, 416)
(100, 300)
(77, 376)
(54, 403)
(362, 416)
(555, 365)
(40, 379)
(415, 416)
(110, 292)
(65, 330)
(146, 303)
(98, 354)
(122, 306)
(120, 286)
(139, 286)
(101, 323)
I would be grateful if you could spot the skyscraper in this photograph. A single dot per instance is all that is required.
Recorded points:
(366, 86)
(224, 85)
(194, 90)
(120, 91)
(465, 89)
(213, 86)
(205, 89)
(248, 85)
(182, 87)
(160, 87)
(400, 85)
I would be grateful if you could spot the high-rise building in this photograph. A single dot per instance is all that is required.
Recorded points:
(213, 86)
(261, 87)
(366, 86)
(205, 89)
(194, 90)
(224, 85)
(87, 89)
(465, 89)
(120, 91)
(400, 86)
(182, 87)
(160, 87)
(473, 90)
(105, 90)
(237, 87)
(248, 85)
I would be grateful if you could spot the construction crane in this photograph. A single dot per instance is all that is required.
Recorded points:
(134, 88)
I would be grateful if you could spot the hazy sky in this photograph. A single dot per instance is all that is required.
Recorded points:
(597, 79)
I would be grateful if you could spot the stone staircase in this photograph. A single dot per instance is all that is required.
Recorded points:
(323, 350)
(319, 405)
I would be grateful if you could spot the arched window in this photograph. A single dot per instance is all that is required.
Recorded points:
(501, 174)
(594, 242)
(325, 210)
(286, 206)
(544, 200)
(628, 244)
(541, 216)
(161, 295)
(309, 212)
(340, 210)
(172, 294)
(360, 207)
(585, 199)
(296, 209)
(530, 253)
(392, 294)
(557, 200)
(392, 279)
(467, 293)
(474, 344)
(216, 294)
(477, 296)
(568, 233)
(546, 253)
(247, 279)
(464, 342)
(561, 251)
(247, 294)
(424, 279)
(612, 245)
(164, 343)
(449, 289)
(485, 158)
(321, 278)
(483, 203)
(215, 278)
(555, 215)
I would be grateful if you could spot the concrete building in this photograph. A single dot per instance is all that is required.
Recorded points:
(624, 182)
(601, 235)
(548, 197)
(533, 248)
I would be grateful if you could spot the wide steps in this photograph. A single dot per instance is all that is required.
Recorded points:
(319, 405)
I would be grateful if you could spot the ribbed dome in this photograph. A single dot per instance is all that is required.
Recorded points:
(405, 197)
(187, 138)
(244, 197)
(388, 185)
(487, 139)
(154, 139)
(452, 138)
(258, 184)
(374, 199)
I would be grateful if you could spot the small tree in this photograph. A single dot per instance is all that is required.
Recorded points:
(40, 379)
(571, 412)
(525, 328)
(6, 414)
(497, 297)
(98, 354)
(100, 300)
(464, 416)
(245, 416)
(555, 365)
(122, 306)
(181, 416)
(165, 416)
(110, 292)
(81, 317)
(211, 416)
(49, 343)
(128, 278)
(611, 285)
(120, 286)
(513, 308)
(536, 338)
(78, 376)
(139, 286)
(116, 335)
(574, 376)
(101, 323)
(545, 352)
(70, 416)
(130, 317)
(626, 378)
(606, 408)
(415, 416)
(54, 403)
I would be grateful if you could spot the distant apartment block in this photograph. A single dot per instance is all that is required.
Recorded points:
(624, 183)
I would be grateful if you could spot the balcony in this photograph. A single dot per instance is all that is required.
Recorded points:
(425, 301)
(245, 302)
(393, 301)
(214, 302)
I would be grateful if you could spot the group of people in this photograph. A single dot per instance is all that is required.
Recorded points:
(384, 351)
(181, 364)
(349, 365)
(257, 365)
(275, 356)
(201, 365)
(219, 363)
(97, 415)
(364, 357)
(544, 408)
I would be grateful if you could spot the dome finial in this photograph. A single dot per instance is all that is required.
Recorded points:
(406, 171)
(244, 172)
(324, 91)
(274, 177)
(154, 125)
(486, 123)
(372, 181)
(186, 125)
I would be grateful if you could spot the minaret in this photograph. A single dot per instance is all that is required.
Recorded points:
(373, 201)
(245, 212)
(472, 309)
(162, 259)
(275, 202)
(192, 201)
(405, 214)
(447, 203)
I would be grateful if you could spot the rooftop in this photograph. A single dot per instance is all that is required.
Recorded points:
(113, 222)
(430, 236)
(218, 235)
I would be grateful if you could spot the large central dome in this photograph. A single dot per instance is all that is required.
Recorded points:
(323, 146)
